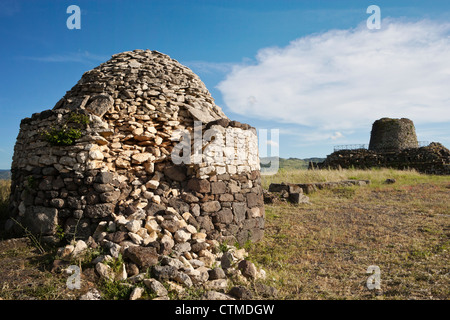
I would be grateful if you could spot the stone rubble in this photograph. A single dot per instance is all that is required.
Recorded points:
(294, 192)
(178, 272)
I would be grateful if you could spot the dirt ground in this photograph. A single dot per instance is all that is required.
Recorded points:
(28, 274)
(312, 251)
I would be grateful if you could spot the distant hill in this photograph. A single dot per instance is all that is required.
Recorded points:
(5, 174)
(289, 164)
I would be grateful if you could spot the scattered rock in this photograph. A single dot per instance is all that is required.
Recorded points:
(241, 292)
(104, 271)
(182, 235)
(216, 273)
(132, 269)
(265, 290)
(143, 257)
(214, 295)
(227, 260)
(156, 287)
(136, 293)
(183, 278)
(58, 265)
(79, 249)
(297, 198)
(164, 273)
(216, 285)
(133, 226)
(248, 269)
(92, 294)
(66, 252)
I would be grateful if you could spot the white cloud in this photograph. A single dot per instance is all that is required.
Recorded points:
(336, 135)
(346, 79)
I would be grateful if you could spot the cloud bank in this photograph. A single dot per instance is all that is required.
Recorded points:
(345, 79)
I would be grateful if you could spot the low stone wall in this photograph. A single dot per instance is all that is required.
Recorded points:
(295, 192)
(432, 159)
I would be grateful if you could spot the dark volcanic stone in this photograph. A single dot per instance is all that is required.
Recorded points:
(117, 236)
(199, 185)
(216, 273)
(100, 210)
(164, 273)
(241, 292)
(247, 268)
(176, 173)
(223, 216)
(104, 177)
(142, 256)
(218, 187)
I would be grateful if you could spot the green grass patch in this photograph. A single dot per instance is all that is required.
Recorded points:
(115, 290)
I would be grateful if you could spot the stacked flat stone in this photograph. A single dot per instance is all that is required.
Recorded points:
(431, 159)
(393, 144)
(294, 192)
(118, 183)
(393, 135)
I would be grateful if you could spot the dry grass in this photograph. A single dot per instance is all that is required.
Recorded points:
(322, 251)
(376, 175)
(317, 251)
(5, 186)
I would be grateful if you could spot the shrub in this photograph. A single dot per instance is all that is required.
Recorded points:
(65, 136)
(78, 118)
(69, 132)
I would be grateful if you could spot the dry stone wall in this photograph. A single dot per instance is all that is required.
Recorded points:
(393, 135)
(432, 159)
(156, 163)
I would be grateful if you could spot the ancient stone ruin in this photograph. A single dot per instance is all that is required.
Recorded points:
(393, 144)
(137, 154)
(393, 135)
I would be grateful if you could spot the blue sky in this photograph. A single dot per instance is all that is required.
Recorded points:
(311, 69)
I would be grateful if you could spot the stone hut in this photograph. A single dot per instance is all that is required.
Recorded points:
(393, 135)
(393, 144)
(138, 152)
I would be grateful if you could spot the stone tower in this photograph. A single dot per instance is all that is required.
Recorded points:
(113, 160)
(393, 135)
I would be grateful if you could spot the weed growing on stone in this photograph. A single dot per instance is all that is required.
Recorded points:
(69, 132)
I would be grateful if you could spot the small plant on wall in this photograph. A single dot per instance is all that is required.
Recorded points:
(69, 132)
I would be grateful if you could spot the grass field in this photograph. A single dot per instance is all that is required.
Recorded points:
(323, 250)
(4, 201)
(315, 251)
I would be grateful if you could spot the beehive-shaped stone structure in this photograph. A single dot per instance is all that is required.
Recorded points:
(136, 152)
(393, 144)
(393, 135)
